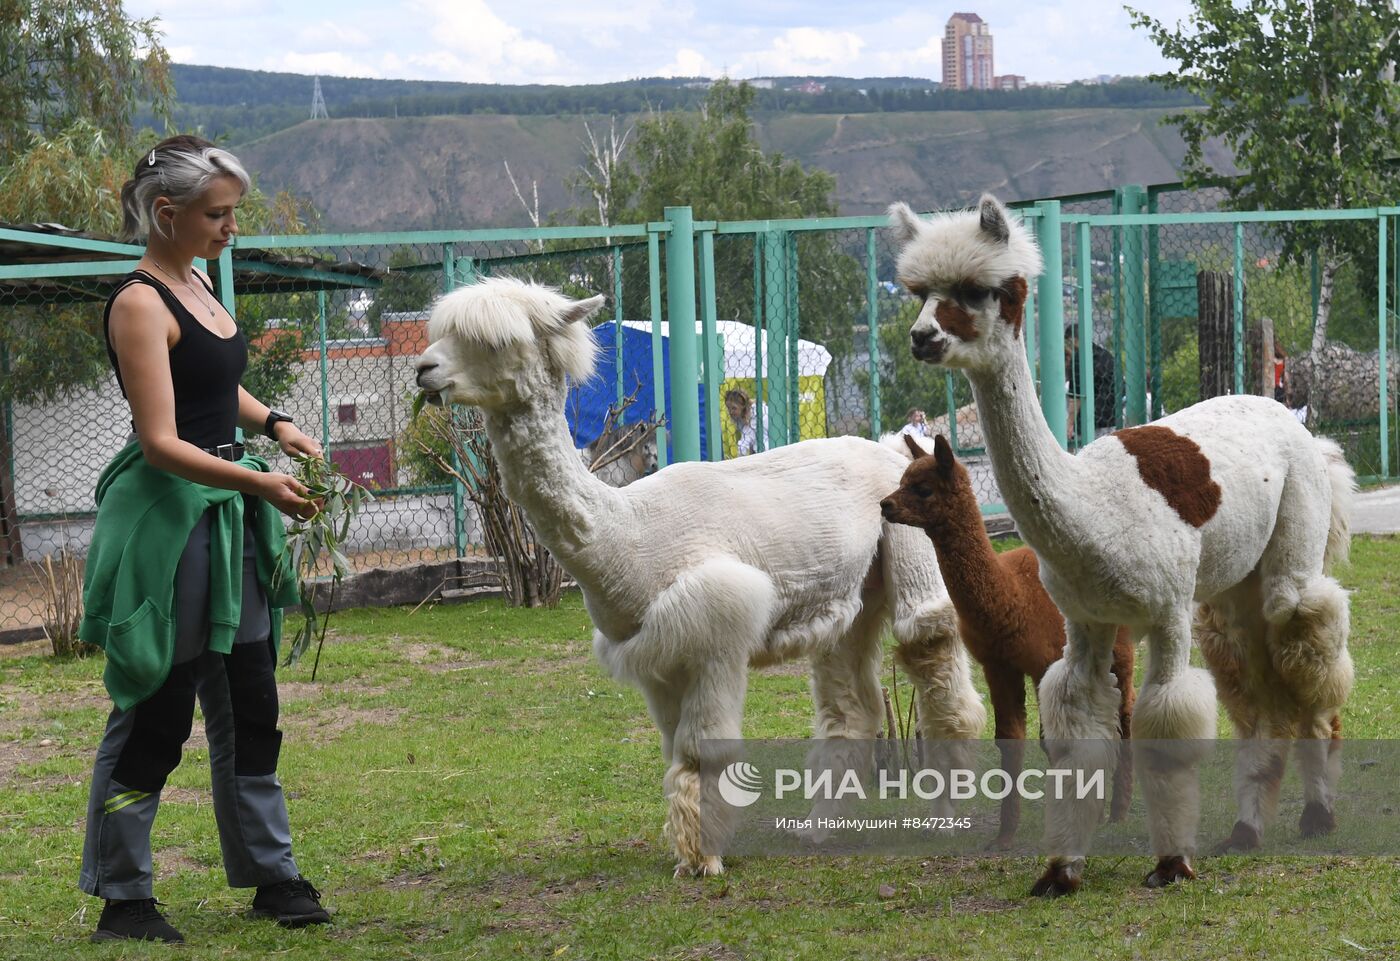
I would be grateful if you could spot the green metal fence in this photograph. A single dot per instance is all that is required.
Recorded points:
(1169, 301)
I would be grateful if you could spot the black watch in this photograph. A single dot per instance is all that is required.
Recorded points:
(273, 417)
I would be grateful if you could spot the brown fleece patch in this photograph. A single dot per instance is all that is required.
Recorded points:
(1013, 303)
(1174, 466)
(955, 320)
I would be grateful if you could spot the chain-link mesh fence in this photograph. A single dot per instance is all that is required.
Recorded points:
(811, 341)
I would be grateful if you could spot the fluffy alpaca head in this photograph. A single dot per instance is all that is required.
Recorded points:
(972, 270)
(935, 491)
(491, 342)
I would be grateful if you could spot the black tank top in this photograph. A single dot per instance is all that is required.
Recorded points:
(204, 368)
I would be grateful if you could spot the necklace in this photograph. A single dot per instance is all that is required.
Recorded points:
(207, 304)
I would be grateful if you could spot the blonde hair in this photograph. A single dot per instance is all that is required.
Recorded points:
(178, 169)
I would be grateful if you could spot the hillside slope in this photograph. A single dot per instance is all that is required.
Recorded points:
(400, 174)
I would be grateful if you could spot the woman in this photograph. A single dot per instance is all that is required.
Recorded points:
(180, 586)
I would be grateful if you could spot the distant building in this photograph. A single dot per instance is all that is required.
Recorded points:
(1009, 81)
(761, 83)
(811, 86)
(967, 53)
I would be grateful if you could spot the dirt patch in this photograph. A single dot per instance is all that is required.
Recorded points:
(327, 723)
(710, 951)
(519, 903)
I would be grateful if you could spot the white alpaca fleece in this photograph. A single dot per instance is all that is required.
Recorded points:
(985, 248)
(701, 570)
(499, 312)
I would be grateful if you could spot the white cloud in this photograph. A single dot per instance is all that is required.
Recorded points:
(326, 63)
(328, 33)
(473, 43)
(689, 63)
(809, 50)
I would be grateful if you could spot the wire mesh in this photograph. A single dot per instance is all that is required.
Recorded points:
(811, 341)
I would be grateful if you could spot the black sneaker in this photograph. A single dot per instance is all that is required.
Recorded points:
(135, 920)
(292, 903)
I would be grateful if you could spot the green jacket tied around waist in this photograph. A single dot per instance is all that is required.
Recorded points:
(144, 518)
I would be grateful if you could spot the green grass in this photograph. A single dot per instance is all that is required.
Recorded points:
(465, 783)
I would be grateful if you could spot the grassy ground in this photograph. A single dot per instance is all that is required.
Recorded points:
(465, 783)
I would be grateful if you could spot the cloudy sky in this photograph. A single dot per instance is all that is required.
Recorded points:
(589, 41)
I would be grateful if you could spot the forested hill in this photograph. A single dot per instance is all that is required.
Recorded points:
(449, 171)
(241, 105)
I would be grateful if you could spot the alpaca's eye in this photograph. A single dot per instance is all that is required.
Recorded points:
(921, 491)
(973, 295)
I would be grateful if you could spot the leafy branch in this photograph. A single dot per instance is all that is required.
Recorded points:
(316, 539)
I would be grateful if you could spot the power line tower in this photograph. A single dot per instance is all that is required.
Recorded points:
(318, 103)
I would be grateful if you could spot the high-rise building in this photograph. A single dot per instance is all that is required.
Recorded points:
(967, 53)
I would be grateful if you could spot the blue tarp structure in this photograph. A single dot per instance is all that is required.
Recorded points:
(587, 405)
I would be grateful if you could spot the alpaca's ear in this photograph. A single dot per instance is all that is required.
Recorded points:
(914, 449)
(943, 454)
(580, 310)
(904, 222)
(992, 219)
(573, 349)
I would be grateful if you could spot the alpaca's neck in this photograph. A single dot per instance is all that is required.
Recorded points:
(543, 474)
(983, 593)
(1038, 480)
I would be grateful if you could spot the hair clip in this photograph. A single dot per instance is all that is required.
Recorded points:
(151, 160)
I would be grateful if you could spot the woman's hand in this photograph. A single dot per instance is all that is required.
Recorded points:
(288, 495)
(293, 442)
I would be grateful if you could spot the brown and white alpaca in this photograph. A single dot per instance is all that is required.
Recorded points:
(1231, 503)
(1008, 622)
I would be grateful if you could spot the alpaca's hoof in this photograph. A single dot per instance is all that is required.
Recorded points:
(707, 868)
(1057, 881)
(1316, 821)
(1243, 838)
(1169, 871)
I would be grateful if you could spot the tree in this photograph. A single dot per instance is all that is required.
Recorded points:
(1303, 92)
(711, 161)
(65, 59)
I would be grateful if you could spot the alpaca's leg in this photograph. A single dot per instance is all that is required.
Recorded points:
(1124, 655)
(928, 646)
(849, 708)
(663, 699)
(950, 712)
(1309, 652)
(1172, 723)
(1320, 761)
(706, 739)
(1079, 721)
(1007, 687)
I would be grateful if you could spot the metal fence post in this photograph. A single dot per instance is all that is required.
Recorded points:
(712, 357)
(1381, 254)
(794, 318)
(459, 499)
(658, 369)
(680, 311)
(1134, 326)
(872, 320)
(760, 331)
(1085, 427)
(1154, 318)
(325, 372)
(617, 321)
(1052, 320)
(775, 302)
(1238, 326)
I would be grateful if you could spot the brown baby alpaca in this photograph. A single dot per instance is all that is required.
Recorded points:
(1006, 619)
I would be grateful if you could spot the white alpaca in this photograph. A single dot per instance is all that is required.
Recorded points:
(1231, 503)
(698, 572)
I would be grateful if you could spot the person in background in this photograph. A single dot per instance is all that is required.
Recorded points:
(1105, 401)
(181, 587)
(741, 411)
(1280, 374)
(916, 424)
